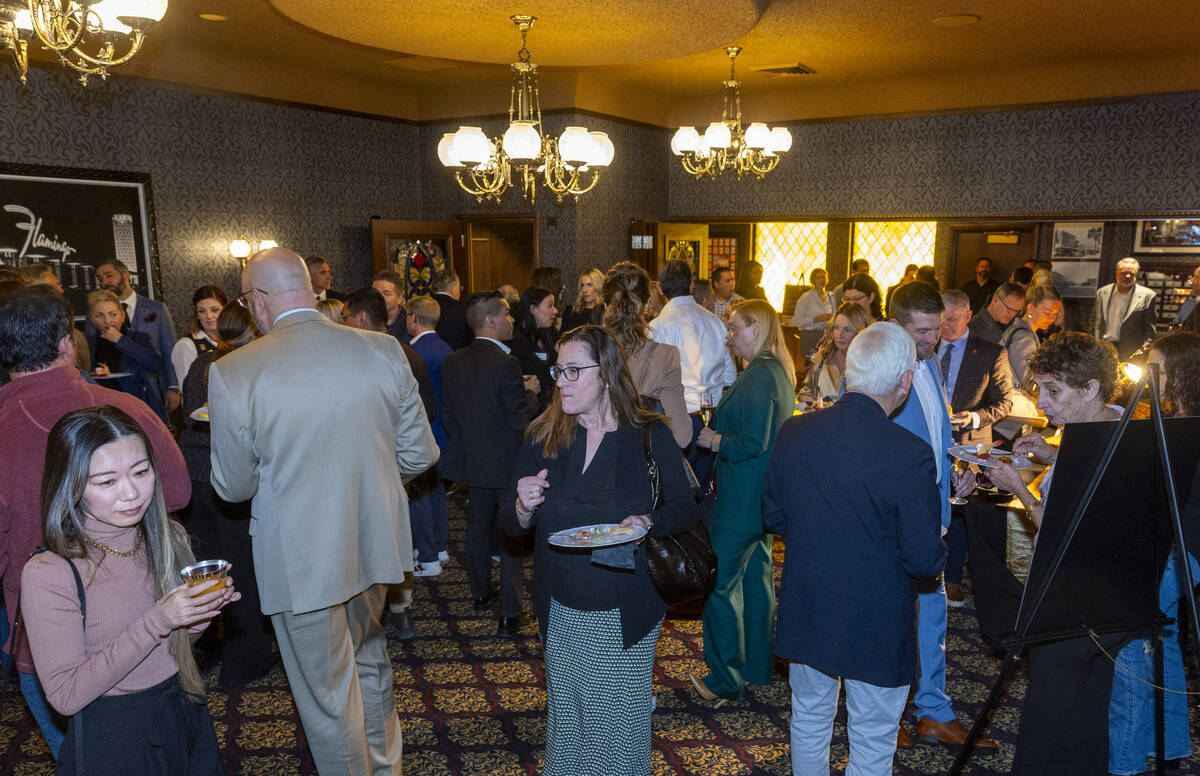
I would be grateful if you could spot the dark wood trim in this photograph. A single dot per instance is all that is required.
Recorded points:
(954, 220)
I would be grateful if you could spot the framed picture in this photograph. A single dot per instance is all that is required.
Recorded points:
(74, 220)
(1174, 235)
(1076, 279)
(1078, 240)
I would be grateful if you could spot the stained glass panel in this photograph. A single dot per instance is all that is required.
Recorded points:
(891, 245)
(787, 251)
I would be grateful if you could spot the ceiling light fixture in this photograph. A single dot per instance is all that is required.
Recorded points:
(88, 36)
(486, 168)
(724, 145)
(213, 17)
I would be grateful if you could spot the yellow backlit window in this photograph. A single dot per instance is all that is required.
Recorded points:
(787, 252)
(890, 245)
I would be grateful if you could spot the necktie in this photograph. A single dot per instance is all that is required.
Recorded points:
(128, 315)
(947, 352)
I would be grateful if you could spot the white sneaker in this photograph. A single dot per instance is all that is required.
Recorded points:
(443, 556)
(431, 569)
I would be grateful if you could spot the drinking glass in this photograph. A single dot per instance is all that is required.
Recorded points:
(707, 407)
(204, 573)
(960, 466)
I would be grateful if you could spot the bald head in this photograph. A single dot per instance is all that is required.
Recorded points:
(275, 281)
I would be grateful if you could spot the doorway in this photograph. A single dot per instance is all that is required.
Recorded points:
(1008, 246)
(500, 249)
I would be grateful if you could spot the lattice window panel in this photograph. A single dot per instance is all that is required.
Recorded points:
(787, 251)
(891, 245)
(722, 253)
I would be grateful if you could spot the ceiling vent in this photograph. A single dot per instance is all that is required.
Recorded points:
(784, 71)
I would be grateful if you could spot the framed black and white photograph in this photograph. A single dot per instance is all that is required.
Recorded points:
(1078, 240)
(1173, 235)
(74, 220)
(1076, 279)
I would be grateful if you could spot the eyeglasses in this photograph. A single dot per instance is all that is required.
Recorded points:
(241, 298)
(1011, 309)
(570, 372)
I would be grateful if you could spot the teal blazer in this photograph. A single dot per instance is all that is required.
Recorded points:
(748, 419)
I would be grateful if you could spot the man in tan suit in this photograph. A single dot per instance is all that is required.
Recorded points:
(329, 517)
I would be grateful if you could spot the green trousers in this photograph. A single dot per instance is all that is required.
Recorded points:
(739, 616)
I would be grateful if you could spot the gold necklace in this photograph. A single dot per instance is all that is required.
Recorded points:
(104, 547)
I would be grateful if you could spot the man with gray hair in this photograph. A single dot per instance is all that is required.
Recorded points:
(452, 321)
(847, 603)
(1125, 311)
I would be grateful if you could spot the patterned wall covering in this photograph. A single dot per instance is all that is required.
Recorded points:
(575, 235)
(220, 166)
(1139, 155)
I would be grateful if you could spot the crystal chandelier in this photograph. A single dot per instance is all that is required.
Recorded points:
(486, 168)
(724, 146)
(89, 36)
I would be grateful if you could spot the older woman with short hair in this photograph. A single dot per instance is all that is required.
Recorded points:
(739, 616)
(583, 463)
(1064, 722)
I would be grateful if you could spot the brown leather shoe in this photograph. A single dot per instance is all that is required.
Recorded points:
(903, 739)
(955, 596)
(952, 732)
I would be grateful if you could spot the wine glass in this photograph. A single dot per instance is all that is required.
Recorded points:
(961, 467)
(707, 406)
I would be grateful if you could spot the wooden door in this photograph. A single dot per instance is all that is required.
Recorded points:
(972, 244)
(395, 245)
(500, 250)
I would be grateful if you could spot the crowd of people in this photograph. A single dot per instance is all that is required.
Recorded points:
(546, 414)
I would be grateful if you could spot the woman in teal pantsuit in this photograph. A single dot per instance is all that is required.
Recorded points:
(739, 616)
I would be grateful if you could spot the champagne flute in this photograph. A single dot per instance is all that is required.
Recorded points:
(707, 407)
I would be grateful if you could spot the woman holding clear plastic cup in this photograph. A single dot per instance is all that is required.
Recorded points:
(110, 618)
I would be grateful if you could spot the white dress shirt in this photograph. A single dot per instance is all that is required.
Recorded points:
(809, 306)
(704, 361)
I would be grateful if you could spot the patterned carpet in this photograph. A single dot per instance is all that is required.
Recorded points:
(473, 703)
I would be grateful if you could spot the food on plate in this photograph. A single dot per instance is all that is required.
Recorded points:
(1006, 459)
(621, 529)
(983, 450)
(101, 370)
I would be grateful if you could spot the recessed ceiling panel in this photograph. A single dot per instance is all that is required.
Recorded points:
(567, 32)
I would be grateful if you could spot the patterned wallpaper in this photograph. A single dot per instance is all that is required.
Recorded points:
(1142, 155)
(220, 166)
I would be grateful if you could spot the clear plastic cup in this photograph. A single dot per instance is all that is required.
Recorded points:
(207, 574)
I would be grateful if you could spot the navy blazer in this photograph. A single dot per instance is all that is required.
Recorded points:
(486, 411)
(141, 360)
(854, 495)
(433, 349)
(154, 320)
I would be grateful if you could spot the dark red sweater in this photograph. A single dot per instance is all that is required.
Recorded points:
(29, 408)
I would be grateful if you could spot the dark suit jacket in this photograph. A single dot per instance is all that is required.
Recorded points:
(424, 382)
(452, 324)
(525, 350)
(142, 361)
(486, 411)
(336, 296)
(154, 320)
(855, 496)
(433, 350)
(984, 386)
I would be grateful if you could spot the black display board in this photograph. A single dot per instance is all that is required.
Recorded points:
(74, 220)
(1109, 574)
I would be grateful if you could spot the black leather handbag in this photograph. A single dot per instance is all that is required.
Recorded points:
(682, 566)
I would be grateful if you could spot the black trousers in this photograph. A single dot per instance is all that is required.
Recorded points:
(221, 529)
(1064, 723)
(156, 732)
(483, 505)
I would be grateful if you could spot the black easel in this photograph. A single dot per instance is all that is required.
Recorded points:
(1032, 601)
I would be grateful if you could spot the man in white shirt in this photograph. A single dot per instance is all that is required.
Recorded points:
(704, 361)
(1125, 312)
(723, 281)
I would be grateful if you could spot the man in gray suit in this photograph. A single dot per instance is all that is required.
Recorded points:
(1125, 312)
(329, 517)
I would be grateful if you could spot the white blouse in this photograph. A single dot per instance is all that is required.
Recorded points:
(808, 307)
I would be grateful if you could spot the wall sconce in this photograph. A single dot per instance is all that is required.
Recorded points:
(240, 248)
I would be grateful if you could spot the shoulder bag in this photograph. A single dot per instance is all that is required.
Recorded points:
(682, 566)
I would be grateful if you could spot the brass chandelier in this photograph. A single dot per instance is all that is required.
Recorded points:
(724, 145)
(486, 168)
(89, 36)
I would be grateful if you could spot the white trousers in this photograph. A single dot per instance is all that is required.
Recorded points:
(873, 721)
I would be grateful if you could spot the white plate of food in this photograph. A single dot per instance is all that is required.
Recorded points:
(986, 455)
(110, 375)
(601, 535)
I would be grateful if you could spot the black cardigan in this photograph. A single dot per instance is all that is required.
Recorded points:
(613, 487)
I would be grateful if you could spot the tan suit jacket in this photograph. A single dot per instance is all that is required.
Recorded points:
(320, 424)
(656, 372)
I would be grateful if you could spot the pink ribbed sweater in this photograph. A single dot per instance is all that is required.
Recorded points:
(122, 649)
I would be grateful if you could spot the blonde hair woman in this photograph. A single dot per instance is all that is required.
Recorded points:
(588, 307)
(739, 615)
(825, 378)
(331, 309)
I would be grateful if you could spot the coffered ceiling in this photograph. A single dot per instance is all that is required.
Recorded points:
(660, 61)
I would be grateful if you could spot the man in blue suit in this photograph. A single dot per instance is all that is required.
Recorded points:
(918, 307)
(147, 316)
(862, 528)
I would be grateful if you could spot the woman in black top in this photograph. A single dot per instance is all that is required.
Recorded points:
(589, 306)
(583, 463)
(863, 290)
(533, 338)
